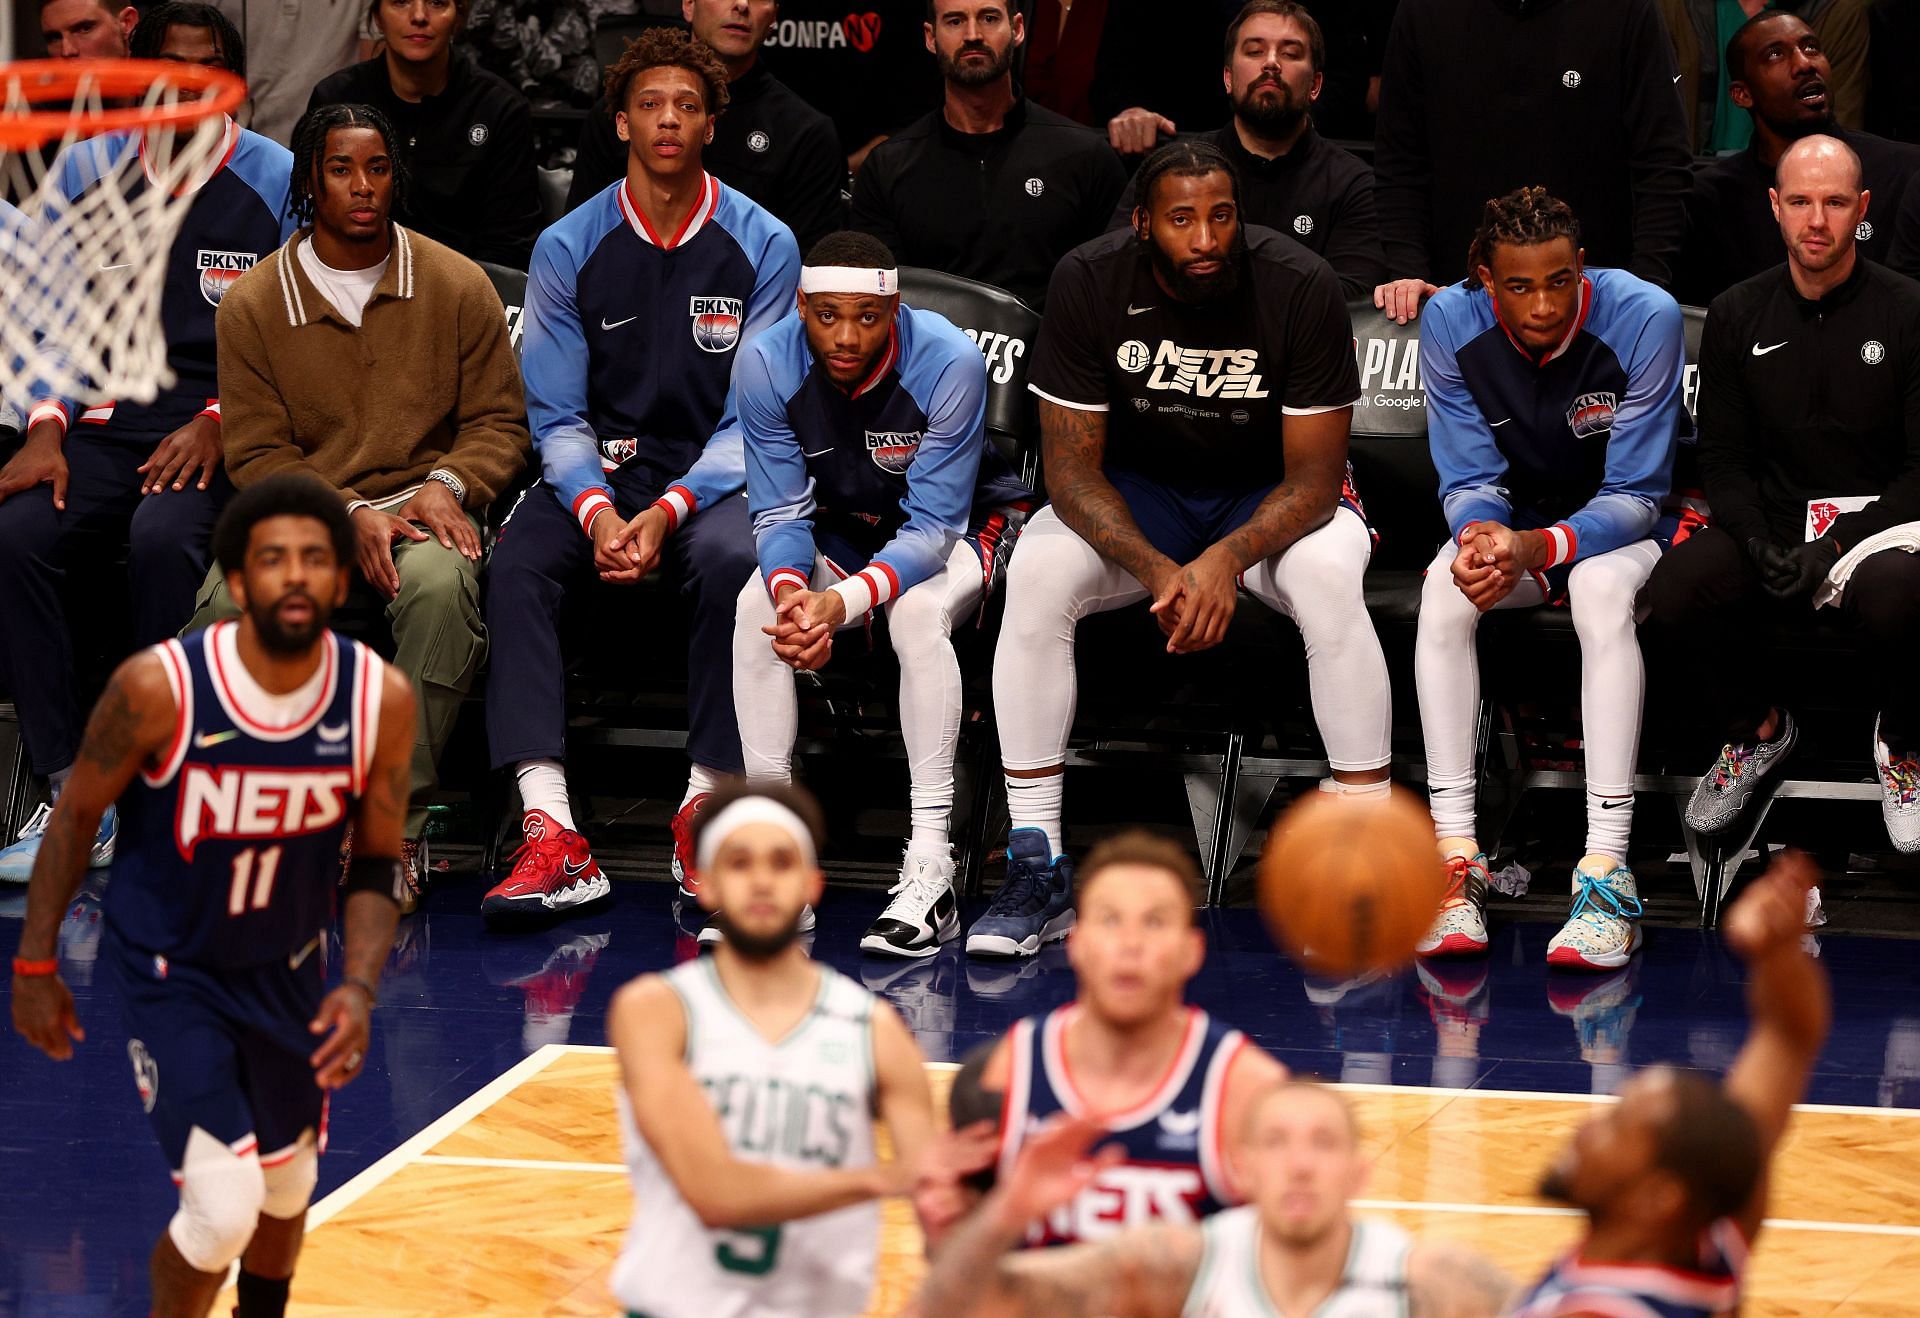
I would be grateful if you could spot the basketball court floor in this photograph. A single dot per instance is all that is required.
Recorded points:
(475, 1167)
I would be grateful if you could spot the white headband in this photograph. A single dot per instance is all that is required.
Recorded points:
(848, 279)
(753, 810)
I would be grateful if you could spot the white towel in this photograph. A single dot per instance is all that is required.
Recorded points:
(1904, 537)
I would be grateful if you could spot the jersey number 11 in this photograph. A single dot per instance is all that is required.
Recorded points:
(259, 878)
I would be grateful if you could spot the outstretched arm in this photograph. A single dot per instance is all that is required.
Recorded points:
(132, 722)
(1073, 446)
(1789, 1002)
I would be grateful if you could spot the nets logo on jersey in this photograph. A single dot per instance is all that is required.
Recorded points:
(218, 270)
(1592, 414)
(716, 322)
(234, 801)
(893, 450)
(1202, 372)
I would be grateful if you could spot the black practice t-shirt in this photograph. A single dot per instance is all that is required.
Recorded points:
(1195, 395)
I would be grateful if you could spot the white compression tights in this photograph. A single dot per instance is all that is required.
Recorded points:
(1602, 592)
(1056, 579)
(920, 623)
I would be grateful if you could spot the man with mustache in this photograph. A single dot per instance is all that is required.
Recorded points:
(990, 185)
(1196, 385)
(1781, 77)
(1291, 179)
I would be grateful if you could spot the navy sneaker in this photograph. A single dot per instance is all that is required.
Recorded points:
(1034, 906)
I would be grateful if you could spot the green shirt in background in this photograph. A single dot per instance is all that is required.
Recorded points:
(1732, 126)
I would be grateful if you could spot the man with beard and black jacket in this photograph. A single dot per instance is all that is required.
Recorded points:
(1810, 445)
(1479, 97)
(989, 186)
(1780, 77)
(769, 144)
(1291, 179)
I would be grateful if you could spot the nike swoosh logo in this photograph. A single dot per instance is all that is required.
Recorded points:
(822, 453)
(1759, 351)
(573, 870)
(1613, 805)
(1495, 425)
(293, 962)
(206, 739)
(1678, 76)
(606, 324)
(338, 732)
(125, 265)
(1134, 311)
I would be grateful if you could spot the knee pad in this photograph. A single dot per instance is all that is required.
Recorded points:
(290, 1178)
(221, 1193)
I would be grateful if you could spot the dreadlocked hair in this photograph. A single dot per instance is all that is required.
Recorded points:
(310, 144)
(1524, 217)
(666, 47)
(151, 34)
(1187, 159)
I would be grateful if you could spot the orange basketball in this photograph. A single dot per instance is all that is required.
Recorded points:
(1349, 886)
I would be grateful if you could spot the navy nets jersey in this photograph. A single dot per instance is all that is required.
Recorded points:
(229, 847)
(630, 343)
(1175, 1170)
(887, 474)
(238, 215)
(1645, 1290)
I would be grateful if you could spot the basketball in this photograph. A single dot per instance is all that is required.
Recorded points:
(1350, 886)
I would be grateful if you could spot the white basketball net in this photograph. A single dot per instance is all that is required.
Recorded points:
(81, 279)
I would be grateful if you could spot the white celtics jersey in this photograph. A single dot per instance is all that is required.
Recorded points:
(803, 1103)
(1228, 1284)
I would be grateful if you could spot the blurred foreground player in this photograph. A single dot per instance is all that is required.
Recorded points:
(1196, 380)
(1294, 1248)
(750, 1081)
(255, 743)
(874, 490)
(1168, 1080)
(1673, 1178)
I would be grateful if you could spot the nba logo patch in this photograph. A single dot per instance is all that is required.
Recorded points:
(893, 450)
(218, 270)
(1592, 414)
(716, 322)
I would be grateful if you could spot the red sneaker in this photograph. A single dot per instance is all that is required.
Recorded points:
(553, 873)
(683, 823)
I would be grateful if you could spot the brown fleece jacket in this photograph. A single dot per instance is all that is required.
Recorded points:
(428, 381)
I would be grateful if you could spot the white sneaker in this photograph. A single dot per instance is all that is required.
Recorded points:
(1460, 929)
(712, 935)
(924, 912)
(16, 860)
(1602, 931)
(1899, 792)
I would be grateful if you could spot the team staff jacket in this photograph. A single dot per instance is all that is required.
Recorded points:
(630, 338)
(1805, 401)
(892, 468)
(1581, 443)
(470, 150)
(1317, 194)
(1000, 207)
(1196, 397)
(238, 216)
(769, 144)
(1731, 232)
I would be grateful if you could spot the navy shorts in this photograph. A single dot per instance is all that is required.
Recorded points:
(1183, 523)
(223, 1049)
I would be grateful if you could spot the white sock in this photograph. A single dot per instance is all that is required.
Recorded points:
(930, 837)
(543, 786)
(1036, 803)
(700, 779)
(1609, 822)
(1334, 787)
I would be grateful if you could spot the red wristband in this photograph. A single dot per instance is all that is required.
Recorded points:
(34, 969)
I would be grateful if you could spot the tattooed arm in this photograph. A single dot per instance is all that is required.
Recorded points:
(1316, 453)
(1451, 1281)
(133, 721)
(1073, 446)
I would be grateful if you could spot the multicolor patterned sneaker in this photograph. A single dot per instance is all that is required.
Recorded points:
(1738, 777)
(1899, 791)
(1602, 931)
(1460, 929)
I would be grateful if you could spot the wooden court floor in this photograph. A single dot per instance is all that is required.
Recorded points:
(515, 1201)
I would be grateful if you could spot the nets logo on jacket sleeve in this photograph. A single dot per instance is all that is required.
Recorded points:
(716, 322)
(893, 450)
(1592, 414)
(218, 270)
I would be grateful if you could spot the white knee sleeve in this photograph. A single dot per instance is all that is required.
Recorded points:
(221, 1194)
(763, 694)
(290, 1177)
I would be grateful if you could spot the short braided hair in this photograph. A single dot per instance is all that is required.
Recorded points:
(1524, 217)
(310, 144)
(1186, 158)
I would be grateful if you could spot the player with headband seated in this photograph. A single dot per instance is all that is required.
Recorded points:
(750, 1083)
(874, 491)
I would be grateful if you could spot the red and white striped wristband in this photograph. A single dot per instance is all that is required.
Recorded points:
(867, 589)
(1562, 545)
(49, 411)
(589, 505)
(212, 409)
(678, 503)
(785, 576)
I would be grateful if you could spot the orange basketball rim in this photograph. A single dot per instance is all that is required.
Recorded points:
(48, 100)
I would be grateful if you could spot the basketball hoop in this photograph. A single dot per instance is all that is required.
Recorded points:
(81, 278)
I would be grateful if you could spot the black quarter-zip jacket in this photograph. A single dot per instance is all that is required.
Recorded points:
(1804, 400)
(1000, 207)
